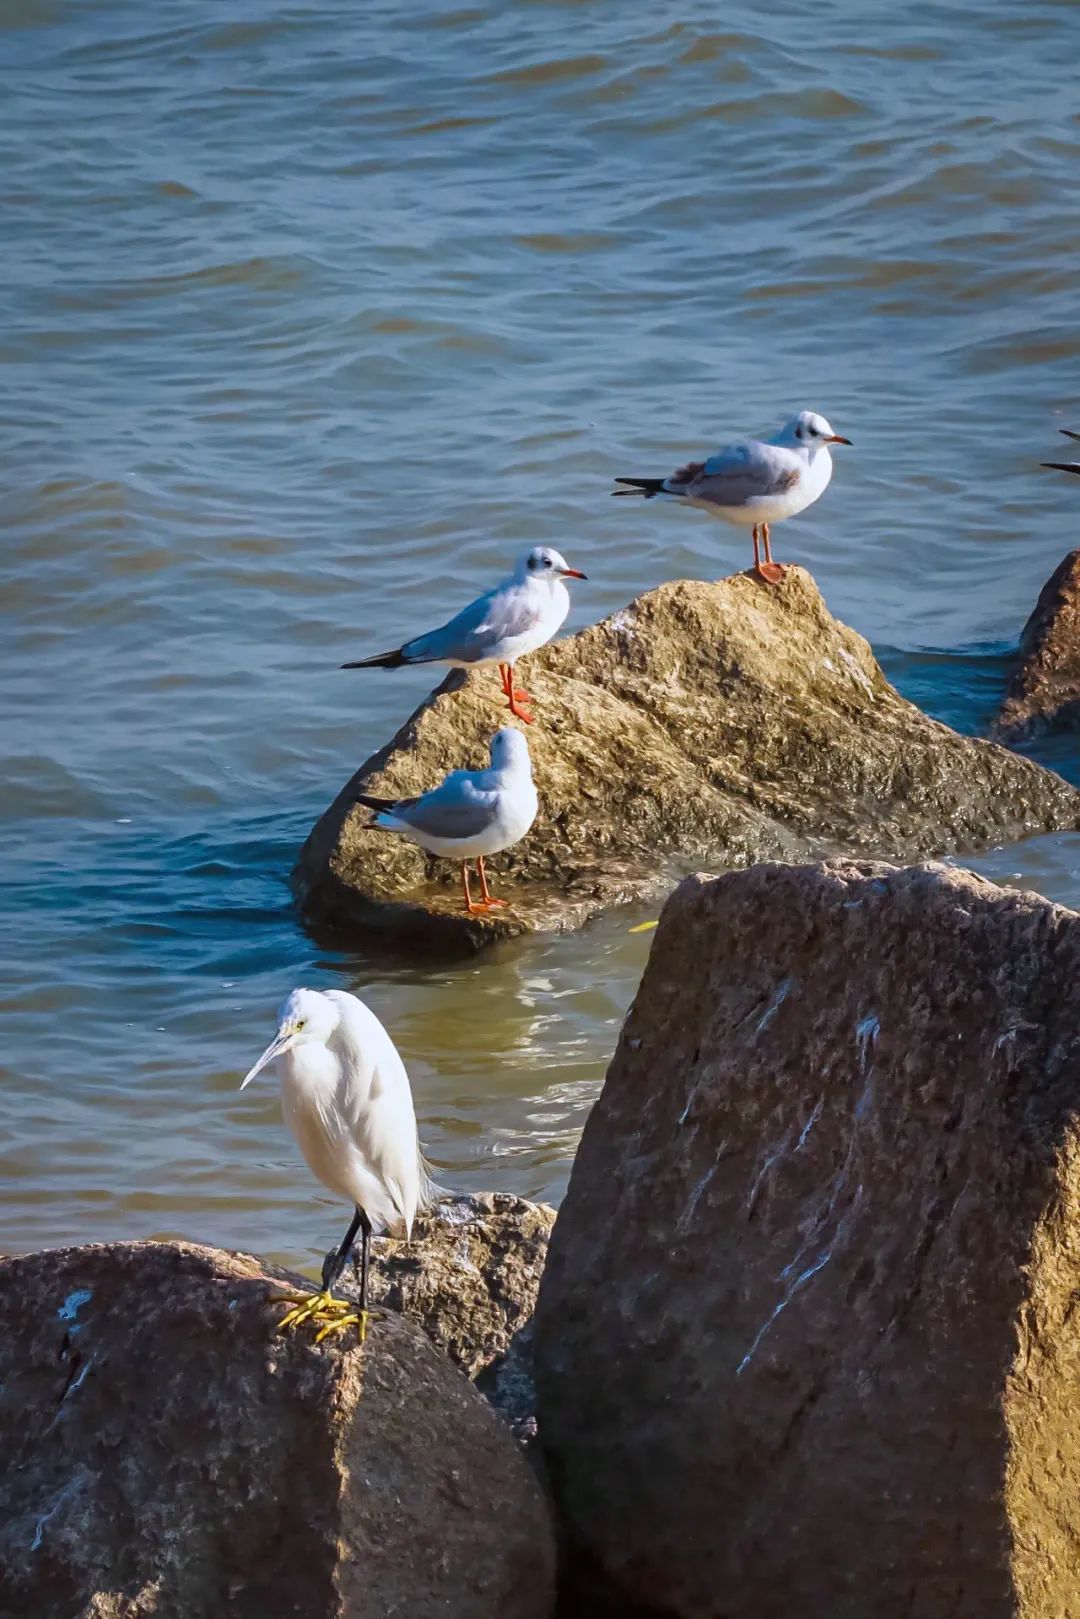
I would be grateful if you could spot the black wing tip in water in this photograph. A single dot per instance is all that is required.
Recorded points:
(641, 486)
(1062, 466)
(382, 660)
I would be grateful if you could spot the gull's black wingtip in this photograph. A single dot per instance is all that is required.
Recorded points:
(1062, 466)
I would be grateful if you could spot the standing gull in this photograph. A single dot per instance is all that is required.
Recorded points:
(1065, 466)
(754, 483)
(346, 1098)
(515, 618)
(472, 814)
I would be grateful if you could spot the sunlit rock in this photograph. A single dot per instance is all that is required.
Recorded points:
(806, 1341)
(704, 724)
(1044, 691)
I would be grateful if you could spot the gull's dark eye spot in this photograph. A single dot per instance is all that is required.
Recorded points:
(547, 562)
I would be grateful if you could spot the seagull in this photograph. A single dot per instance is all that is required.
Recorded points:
(346, 1098)
(1065, 466)
(515, 618)
(754, 483)
(472, 814)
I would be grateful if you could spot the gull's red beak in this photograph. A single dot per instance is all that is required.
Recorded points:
(835, 438)
(574, 573)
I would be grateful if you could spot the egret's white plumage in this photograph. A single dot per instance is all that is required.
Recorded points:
(346, 1098)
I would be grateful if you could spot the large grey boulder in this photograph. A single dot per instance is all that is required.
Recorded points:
(168, 1452)
(807, 1340)
(714, 724)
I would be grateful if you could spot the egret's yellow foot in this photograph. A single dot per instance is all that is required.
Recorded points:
(354, 1319)
(320, 1306)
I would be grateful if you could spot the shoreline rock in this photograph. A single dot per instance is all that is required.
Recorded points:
(470, 1277)
(805, 1342)
(1043, 694)
(168, 1451)
(704, 724)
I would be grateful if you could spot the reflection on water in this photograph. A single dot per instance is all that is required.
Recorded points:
(311, 320)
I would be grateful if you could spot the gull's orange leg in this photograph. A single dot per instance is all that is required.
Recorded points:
(471, 905)
(484, 890)
(769, 570)
(513, 695)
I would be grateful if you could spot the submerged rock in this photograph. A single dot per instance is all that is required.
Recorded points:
(806, 1341)
(469, 1277)
(1044, 691)
(712, 724)
(167, 1451)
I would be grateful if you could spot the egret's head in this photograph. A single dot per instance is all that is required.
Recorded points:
(811, 430)
(544, 563)
(509, 750)
(306, 1018)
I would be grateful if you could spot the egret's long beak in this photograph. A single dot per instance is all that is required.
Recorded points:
(280, 1043)
(573, 573)
(835, 438)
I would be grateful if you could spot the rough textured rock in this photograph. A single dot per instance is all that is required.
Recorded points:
(712, 724)
(167, 1452)
(1044, 691)
(807, 1338)
(469, 1277)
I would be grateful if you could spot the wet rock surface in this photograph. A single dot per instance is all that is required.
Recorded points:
(168, 1452)
(714, 724)
(1044, 690)
(806, 1339)
(469, 1277)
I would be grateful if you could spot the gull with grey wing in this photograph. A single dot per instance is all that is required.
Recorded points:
(754, 482)
(471, 814)
(517, 617)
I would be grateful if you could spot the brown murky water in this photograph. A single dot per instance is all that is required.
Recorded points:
(310, 321)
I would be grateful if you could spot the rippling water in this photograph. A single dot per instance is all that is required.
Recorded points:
(310, 320)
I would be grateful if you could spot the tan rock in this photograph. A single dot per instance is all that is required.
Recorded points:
(469, 1277)
(806, 1343)
(705, 723)
(1044, 691)
(168, 1453)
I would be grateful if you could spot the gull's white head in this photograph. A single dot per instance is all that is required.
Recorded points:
(510, 751)
(306, 1018)
(811, 431)
(544, 563)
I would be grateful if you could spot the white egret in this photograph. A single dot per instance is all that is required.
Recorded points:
(515, 618)
(471, 814)
(754, 482)
(346, 1098)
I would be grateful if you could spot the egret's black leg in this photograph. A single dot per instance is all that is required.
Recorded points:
(334, 1264)
(365, 1254)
